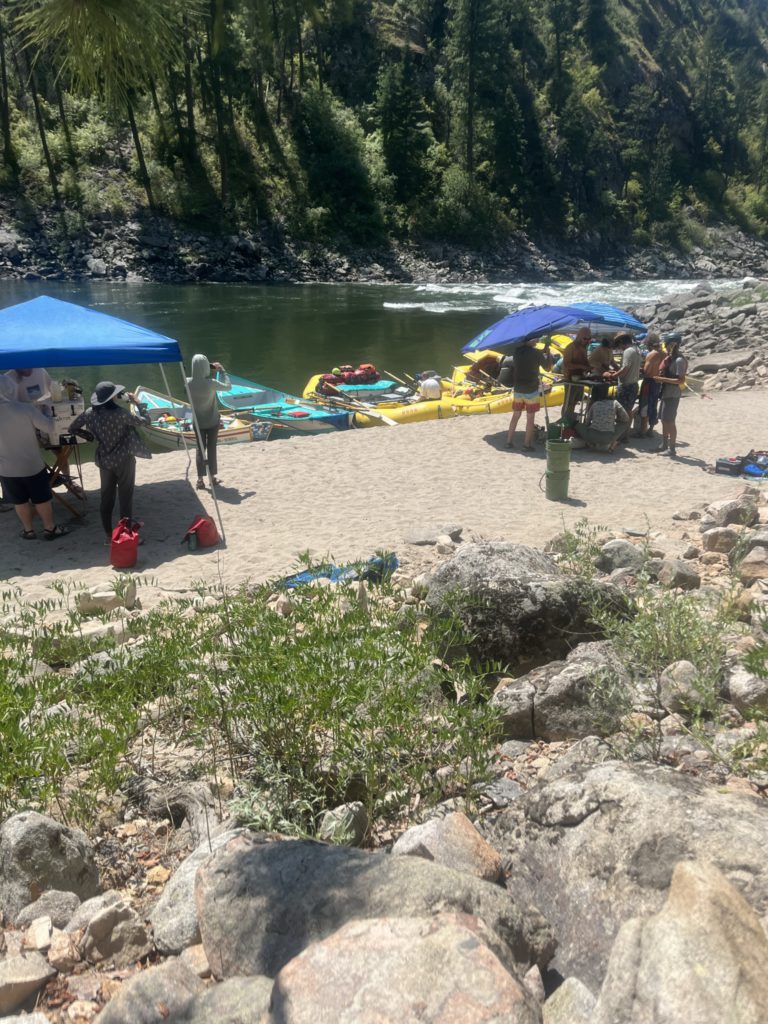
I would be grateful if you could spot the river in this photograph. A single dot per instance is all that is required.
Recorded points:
(281, 335)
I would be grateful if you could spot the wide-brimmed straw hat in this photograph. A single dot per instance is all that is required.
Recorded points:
(105, 390)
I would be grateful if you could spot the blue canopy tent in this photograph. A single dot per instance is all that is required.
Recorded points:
(50, 332)
(542, 321)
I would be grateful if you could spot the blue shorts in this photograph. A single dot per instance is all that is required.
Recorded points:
(21, 489)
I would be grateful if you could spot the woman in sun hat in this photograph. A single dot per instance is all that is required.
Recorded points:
(118, 443)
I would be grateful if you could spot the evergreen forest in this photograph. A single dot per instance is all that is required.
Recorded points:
(355, 121)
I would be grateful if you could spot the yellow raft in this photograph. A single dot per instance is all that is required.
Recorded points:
(459, 398)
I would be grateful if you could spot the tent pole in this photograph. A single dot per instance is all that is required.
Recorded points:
(168, 392)
(199, 436)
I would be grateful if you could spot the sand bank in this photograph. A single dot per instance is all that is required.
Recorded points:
(347, 494)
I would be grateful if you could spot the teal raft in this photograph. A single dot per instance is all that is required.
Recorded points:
(292, 414)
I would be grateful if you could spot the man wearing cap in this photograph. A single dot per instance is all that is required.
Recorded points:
(22, 470)
(671, 377)
(117, 444)
(628, 374)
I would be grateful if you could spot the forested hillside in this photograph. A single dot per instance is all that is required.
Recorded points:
(360, 120)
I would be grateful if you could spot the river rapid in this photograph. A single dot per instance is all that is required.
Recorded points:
(281, 335)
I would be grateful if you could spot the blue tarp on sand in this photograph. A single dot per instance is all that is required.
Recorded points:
(50, 332)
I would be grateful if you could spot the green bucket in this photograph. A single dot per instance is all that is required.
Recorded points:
(557, 484)
(558, 456)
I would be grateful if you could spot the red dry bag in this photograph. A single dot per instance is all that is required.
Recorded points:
(124, 548)
(202, 533)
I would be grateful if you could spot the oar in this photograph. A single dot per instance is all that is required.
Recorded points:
(410, 387)
(363, 407)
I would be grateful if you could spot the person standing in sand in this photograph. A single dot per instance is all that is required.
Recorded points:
(672, 378)
(202, 390)
(628, 374)
(117, 444)
(575, 366)
(22, 470)
(649, 389)
(528, 360)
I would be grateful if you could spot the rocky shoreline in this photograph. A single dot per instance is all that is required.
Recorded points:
(157, 249)
(608, 867)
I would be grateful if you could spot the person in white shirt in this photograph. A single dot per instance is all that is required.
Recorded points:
(628, 374)
(32, 385)
(22, 470)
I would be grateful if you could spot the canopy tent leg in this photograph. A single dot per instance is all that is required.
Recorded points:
(202, 453)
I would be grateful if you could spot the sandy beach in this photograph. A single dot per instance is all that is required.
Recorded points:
(348, 494)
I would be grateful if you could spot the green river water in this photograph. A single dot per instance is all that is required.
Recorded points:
(281, 335)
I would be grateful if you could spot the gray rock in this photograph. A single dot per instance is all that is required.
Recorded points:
(117, 934)
(261, 904)
(736, 511)
(21, 977)
(721, 538)
(673, 572)
(96, 267)
(678, 686)
(517, 602)
(758, 539)
(232, 1001)
(36, 854)
(88, 910)
(503, 792)
(454, 842)
(571, 1003)
(174, 917)
(556, 701)
(164, 993)
(747, 692)
(619, 554)
(754, 566)
(59, 906)
(346, 824)
(439, 970)
(612, 834)
(703, 958)
(722, 361)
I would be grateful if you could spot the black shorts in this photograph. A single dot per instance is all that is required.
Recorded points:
(21, 489)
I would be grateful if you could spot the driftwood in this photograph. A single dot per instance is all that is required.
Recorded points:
(188, 801)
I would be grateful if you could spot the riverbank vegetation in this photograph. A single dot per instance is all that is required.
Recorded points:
(358, 120)
(295, 705)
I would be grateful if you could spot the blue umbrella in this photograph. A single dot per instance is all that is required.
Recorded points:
(519, 327)
(609, 316)
(541, 321)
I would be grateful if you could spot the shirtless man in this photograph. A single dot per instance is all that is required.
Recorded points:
(650, 389)
(575, 366)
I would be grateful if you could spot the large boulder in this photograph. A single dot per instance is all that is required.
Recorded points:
(439, 970)
(516, 602)
(746, 691)
(741, 511)
(598, 844)
(702, 958)
(556, 701)
(37, 854)
(620, 554)
(259, 905)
